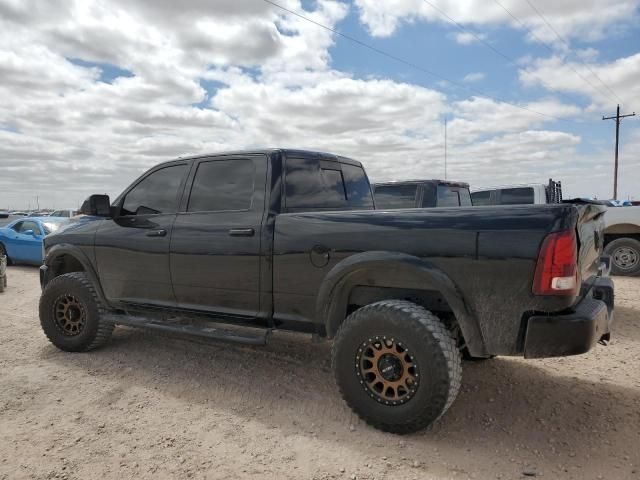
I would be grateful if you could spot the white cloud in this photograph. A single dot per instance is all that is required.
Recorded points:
(571, 18)
(622, 76)
(473, 77)
(64, 133)
(467, 38)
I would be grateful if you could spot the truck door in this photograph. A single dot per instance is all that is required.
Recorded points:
(132, 250)
(216, 241)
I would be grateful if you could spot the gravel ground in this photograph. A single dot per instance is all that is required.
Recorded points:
(150, 406)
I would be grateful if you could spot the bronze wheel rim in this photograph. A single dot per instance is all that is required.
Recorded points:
(70, 315)
(387, 370)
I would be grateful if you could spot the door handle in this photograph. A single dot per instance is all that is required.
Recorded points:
(157, 233)
(242, 232)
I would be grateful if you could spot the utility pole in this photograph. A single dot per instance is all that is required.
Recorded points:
(615, 168)
(445, 147)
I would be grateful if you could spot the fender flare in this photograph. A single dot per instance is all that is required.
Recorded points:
(392, 270)
(61, 249)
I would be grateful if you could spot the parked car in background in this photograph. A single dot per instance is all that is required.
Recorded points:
(622, 239)
(4, 214)
(290, 240)
(18, 213)
(65, 213)
(21, 240)
(527, 194)
(421, 194)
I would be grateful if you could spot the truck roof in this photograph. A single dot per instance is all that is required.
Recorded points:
(287, 151)
(416, 182)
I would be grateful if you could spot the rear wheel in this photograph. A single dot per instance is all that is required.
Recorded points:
(396, 365)
(71, 314)
(625, 256)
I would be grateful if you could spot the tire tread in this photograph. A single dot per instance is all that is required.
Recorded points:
(104, 330)
(429, 325)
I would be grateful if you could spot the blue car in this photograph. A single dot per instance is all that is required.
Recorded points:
(21, 240)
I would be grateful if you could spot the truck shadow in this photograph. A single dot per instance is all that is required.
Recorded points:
(544, 408)
(626, 324)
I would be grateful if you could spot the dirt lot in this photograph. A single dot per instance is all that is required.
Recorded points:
(148, 406)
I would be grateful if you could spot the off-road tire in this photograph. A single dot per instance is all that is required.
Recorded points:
(3, 283)
(95, 332)
(631, 245)
(3, 251)
(433, 349)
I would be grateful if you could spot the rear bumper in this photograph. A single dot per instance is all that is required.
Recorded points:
(575, 332)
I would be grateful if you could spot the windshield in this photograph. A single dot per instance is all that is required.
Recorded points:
(51, 226)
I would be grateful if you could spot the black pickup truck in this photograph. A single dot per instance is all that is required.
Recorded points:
(289, 239)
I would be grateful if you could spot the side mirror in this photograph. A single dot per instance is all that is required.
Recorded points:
(97, 206)
(29, 232)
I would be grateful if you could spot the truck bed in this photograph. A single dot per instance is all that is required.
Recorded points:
(490, 253)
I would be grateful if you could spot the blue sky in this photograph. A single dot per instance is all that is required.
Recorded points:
(103, 91)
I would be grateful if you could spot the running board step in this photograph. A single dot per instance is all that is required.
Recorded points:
(206, 330)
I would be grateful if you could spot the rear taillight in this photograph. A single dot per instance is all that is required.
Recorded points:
(557, 267)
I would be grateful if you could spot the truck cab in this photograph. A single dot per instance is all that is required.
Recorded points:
(524, 194)
(421, 194)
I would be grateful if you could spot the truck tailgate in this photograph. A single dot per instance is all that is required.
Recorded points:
(590, 230)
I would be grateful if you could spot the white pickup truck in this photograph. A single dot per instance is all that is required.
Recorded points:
(622, 239)
(530, 193)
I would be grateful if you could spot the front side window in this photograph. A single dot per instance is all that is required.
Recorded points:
(396, 196)
(156, 193)
(221, 185)
(516, 196)
(357, 187)
(61, 213)
(22, 227)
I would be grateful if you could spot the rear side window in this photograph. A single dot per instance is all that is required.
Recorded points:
(357, 187)
(396, 196)
(465, 197)
(481, 198)
(312, 184)
(156, 193)
(335, 183)
(222, 185)
(453, 196)
(516, 196)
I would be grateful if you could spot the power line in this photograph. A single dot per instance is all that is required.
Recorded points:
(494, 49)
(566, 44)
(415, 66)
(548, 47)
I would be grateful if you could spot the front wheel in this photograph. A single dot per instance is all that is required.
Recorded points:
(71, 315)
(396, 365)
(625, 256)
(3, 252)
